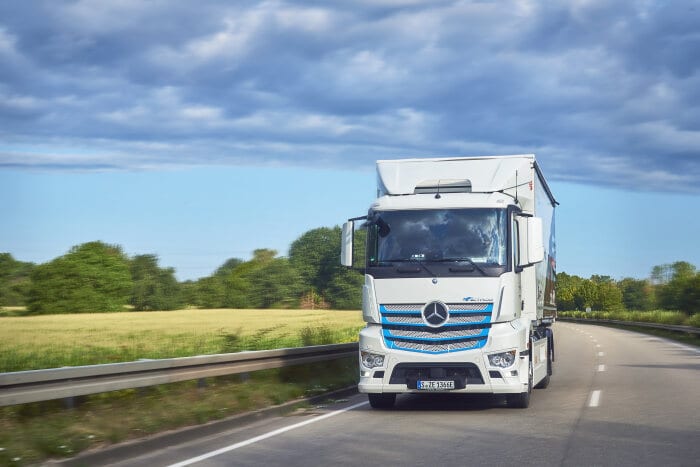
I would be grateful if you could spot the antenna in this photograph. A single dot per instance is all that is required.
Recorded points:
(516, 187)
(437, 195)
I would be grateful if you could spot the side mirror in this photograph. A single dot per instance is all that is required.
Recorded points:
(530, 241)
(346, 244)
(535, 245)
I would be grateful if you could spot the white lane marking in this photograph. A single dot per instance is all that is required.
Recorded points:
(601, 354)
(601, 368)
(683, 346)
(594, 401)
(262, 437)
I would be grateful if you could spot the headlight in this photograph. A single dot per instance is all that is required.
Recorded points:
(502, 359)
(372, 360)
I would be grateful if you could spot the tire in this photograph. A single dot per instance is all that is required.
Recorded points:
(518, 401)
(543, 383)
(522, 400)
(381, 401)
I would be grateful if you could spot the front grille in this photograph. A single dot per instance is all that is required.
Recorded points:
(433, 334)
(468, 326)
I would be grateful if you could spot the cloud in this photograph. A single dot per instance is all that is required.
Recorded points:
(604, 92)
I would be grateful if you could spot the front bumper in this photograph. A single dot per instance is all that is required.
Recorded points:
(470, 369)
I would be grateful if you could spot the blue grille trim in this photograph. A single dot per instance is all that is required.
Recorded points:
(488, 308)
(485, 320)
(388, 335)
(408, 318)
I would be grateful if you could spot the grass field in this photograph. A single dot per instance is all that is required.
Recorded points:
(31, 433)
(50, 341)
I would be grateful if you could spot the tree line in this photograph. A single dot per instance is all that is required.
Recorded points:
(97, 277)
(674, 286)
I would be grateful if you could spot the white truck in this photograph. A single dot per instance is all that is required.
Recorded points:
(459, 263)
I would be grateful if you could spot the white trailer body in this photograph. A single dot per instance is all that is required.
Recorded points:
(459, 278)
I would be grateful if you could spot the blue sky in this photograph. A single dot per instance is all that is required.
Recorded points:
(194, 219)
(199, 131)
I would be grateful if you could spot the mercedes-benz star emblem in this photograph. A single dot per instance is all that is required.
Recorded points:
(435, 314)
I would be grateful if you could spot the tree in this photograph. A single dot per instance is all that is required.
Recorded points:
(316, 256)
(598, 292)
(672, 293)
(154, 288)
(608, 297)
(14, 280)
(636, 294)
(210, 292)
(274, 284)
(567, 288)
(228, 266)
(189, 291)
(690, 301)
(265, 281)
(345, 290)
(91, 277)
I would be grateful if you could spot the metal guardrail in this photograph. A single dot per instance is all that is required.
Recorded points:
(664, 327)
(58, 383)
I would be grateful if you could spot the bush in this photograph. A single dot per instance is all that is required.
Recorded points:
(655, 316)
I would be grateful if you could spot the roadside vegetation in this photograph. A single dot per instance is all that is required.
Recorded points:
(654, 316)
(671, 295)
(49, 341)
(32, 433)
(97, 277)
(671, 287)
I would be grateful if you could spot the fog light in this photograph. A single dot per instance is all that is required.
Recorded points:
(372, 360)
(502, 359)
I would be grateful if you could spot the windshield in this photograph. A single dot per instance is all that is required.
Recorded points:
(438, 235)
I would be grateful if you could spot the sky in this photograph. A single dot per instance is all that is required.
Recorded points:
(200, 131)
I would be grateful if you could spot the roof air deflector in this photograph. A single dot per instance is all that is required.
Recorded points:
(444, 186)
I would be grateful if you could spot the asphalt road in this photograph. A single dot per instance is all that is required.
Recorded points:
(616, 398)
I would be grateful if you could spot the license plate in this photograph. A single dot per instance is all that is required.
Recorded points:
(435, 385)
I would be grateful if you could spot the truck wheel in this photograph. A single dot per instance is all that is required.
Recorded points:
(543, 383)
(518, 401)
(382, 401)
(522, 400)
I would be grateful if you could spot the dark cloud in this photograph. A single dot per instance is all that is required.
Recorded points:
(604, 92)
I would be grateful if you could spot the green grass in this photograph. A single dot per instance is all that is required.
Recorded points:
(655, 316)
(50, 341)
(35, 432)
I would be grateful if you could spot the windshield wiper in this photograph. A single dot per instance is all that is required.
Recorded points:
(414, 260)
(462, 260)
